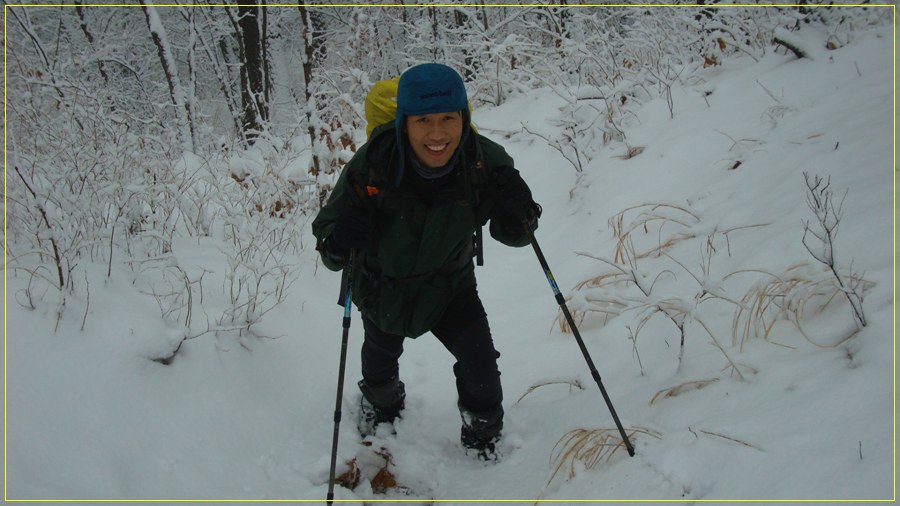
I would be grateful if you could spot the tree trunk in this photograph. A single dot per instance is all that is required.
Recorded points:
(264, 51)
(170, 68)
(191, 91)
(90, 38)
(221, 72)
(253, 92)
(311, 120)
(484, 16)
(468, 70)
(435, 35)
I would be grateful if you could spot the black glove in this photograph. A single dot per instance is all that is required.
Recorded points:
(514, 195)
(354, 228)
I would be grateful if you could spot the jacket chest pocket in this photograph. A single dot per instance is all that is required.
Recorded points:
(415, 239)
(402, 217)
(407, 214)
(448, 230)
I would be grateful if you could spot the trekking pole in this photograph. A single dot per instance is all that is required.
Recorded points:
(346, 290)
(562, 305)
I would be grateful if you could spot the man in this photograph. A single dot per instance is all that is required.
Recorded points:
(405, 210)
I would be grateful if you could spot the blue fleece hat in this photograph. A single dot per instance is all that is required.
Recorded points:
(430, 88)
(426, 89)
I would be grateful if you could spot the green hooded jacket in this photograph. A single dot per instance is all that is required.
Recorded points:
(422, 254)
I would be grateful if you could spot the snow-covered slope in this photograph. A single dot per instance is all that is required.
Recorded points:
(89, 416)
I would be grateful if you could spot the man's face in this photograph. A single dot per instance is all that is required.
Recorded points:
(435, 137)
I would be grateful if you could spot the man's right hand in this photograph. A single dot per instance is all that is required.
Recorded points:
(354, 228)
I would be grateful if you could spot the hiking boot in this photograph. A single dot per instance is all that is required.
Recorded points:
(379, 405)
(480, 432)
(485, 449)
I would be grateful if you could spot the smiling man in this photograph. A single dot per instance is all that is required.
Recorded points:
(406, 209)
(434, 137)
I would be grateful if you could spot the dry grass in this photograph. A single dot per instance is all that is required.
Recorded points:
(680, 315)
(682, 388)
(664, 214)
(674, 309)
(583, 449)
(572, 384)
(632, 152)
(792, 296)
(595, 297)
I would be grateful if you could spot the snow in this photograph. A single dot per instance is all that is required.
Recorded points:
(90, 415)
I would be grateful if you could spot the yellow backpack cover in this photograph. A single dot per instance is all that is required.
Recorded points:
(381, 104)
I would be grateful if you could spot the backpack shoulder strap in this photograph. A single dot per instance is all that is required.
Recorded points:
(478, 171)
(379, 159)
(479, 180)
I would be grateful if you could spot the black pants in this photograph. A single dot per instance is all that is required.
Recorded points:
(464, 331)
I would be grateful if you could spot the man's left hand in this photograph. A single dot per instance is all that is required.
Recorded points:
(515, 196)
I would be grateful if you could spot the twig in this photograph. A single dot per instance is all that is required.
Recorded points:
(634, 349)
(730, 439)
(88, 303)
(821, 203)
(767, 91)
(40, 208)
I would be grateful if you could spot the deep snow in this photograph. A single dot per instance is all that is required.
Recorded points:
(89, 416)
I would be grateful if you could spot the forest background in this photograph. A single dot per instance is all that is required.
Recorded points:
(109, 109)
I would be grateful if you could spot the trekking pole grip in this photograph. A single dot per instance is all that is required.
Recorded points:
(571, 321)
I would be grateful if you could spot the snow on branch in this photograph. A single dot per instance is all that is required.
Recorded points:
(791, 41)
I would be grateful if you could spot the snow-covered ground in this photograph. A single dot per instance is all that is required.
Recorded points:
(89, 416)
